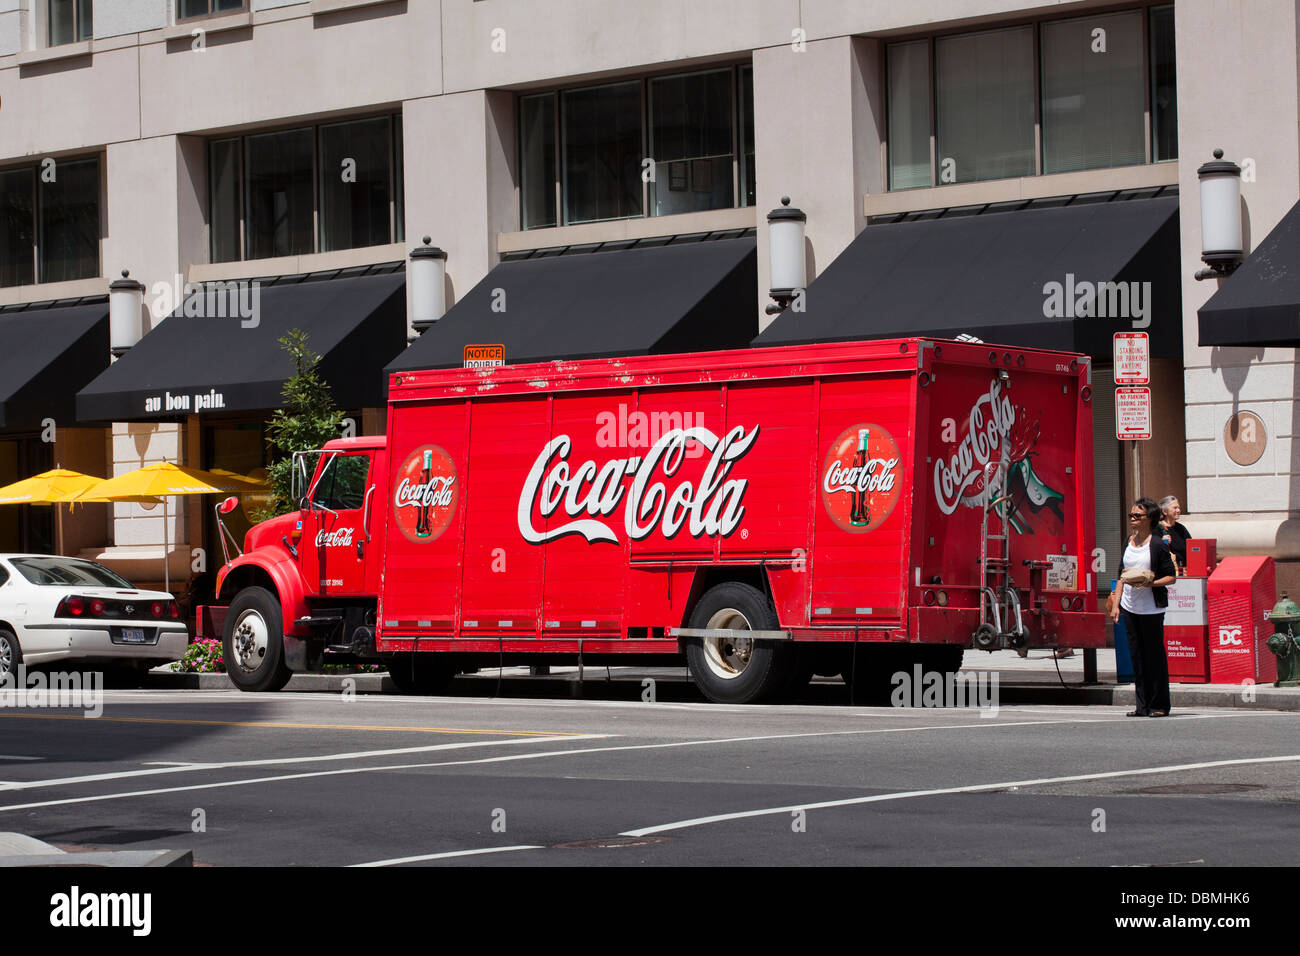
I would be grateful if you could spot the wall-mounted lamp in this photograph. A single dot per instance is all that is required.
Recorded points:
(125, 299)
(787, 272)
(1221, 245)
(427, 274)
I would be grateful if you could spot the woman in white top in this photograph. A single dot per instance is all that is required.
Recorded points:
(1143, 607)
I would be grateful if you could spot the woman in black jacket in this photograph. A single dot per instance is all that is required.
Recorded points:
(1142, 599)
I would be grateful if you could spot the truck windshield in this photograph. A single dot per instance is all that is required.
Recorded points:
(342, 485)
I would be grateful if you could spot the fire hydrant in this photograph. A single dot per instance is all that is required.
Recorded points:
(1285, 644)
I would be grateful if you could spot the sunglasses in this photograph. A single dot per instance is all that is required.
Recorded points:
(1136, 515)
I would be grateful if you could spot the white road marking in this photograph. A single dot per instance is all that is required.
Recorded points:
(975, 788)
(444, 856)
(481, 760)
(277, 761)
(18, 757)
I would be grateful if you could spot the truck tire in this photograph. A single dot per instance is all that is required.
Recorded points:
(421, 674)
(253, 642)
(736, 670)
(11, 653)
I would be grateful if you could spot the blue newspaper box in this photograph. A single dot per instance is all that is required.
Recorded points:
(1123, 663)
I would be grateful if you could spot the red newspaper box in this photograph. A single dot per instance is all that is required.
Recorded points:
(1186, 631)
(1200, 557)
(1242, 592)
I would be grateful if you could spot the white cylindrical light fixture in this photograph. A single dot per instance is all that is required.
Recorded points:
(125, 299)
(1221, 242)
(787, 272)
(427, 273)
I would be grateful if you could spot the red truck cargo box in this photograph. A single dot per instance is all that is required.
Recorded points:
(587, 505)
(1241, 593)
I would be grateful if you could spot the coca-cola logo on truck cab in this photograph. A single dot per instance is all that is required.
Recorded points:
(712, 507)
(860, 478)
(424, 493)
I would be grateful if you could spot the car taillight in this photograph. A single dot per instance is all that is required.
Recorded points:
(156, 609)
(71, 607)
(97, 608)
(173, 610)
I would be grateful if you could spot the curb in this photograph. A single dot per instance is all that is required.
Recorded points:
(678, 688)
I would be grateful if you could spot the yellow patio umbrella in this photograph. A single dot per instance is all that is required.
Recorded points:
(50, 488)
(162, 480)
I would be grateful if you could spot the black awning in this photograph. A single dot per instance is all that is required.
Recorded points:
(223, 361)
(684, 296)
(45, 356)
(1012, 278)
(1259, 304)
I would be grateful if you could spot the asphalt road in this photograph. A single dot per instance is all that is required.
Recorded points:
(323, 780)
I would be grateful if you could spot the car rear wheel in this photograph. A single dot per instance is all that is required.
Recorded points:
(11, 653)
(253, 642)
(733, 669)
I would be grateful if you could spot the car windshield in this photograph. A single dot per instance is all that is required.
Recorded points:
(56, 571)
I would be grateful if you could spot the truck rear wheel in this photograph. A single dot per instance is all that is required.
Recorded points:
(421, 673)
(253, 642)
(734, 669)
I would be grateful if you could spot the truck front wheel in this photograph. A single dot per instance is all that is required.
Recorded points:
(735, 669)
(253, 641)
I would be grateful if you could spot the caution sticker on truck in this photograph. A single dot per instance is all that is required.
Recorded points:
(1063, 575)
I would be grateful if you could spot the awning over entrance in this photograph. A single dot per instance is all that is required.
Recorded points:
(1060, 274)
(1259, 304)
(229, 357)
(691, 295)
(46, 354)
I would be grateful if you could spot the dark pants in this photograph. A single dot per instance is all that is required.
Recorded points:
(1146, 647)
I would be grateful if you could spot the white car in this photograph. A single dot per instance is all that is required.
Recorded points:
(54, 608)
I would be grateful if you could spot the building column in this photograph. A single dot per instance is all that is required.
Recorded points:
(1234, 60)
(818, 135)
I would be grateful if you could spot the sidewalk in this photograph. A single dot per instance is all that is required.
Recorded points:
(1036, 679)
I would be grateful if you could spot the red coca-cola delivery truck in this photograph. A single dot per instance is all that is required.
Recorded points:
(764, 514)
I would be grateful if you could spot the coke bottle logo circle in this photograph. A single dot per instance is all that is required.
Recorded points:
(425, 492)
(860, 478)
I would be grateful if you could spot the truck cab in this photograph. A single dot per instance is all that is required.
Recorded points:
(306, 584)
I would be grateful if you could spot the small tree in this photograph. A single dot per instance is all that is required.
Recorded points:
(308, 420)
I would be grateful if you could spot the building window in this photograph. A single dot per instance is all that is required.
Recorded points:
(1164, 85)
(70, 21)
(659, 146)
(311, 189)
(1053, 97)
(985, 96)
(50, 215)
(1093, 93)
(187, 9)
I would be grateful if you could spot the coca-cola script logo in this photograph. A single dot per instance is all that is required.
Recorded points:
(342, 538)
(860, 478)
(424, 493)
(960, 479)
(714, 508)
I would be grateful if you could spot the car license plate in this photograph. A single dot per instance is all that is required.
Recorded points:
(133, 635)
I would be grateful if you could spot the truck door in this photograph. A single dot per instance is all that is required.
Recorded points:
(336, 524)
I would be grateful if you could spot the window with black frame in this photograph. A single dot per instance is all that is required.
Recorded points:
(657, 146)
(189, 9)
(50, 222)
(69, 21)
(1050, 97)
(304, 190)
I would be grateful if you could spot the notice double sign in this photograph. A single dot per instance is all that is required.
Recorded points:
(1132, 369)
